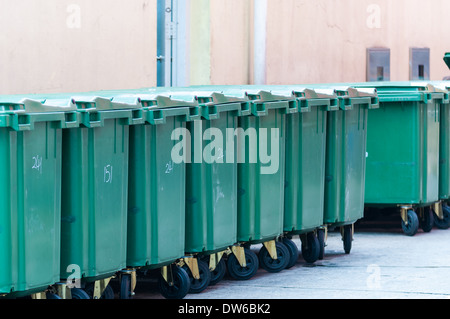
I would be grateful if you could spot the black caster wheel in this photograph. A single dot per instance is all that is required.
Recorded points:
(274, 265)
(411, 228)
(293, 251)
(445, 222)
(321, 239)
(218, 273)
(310, 248)
(198, 285)
(180, 286)
(236, 271)
(427, 220)
(108, 293)
(78, 293)
(50, 295)
(125, 286)
(347, 238)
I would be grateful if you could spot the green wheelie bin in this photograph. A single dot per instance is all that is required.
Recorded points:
(211, 185)
(403, 153)
(261, 175)
(94, 196)
(30, 184)
(305, 173)
(346, 160)
(156, 192)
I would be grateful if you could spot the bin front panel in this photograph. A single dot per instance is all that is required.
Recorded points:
(403, 168)
(345, 165)
(305, 170)
(94, 193)
(211, 185)
(156, 208)
(261, 196)
(30, 184)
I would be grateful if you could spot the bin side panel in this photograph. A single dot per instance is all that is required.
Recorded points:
(211, 210)
(305, 170)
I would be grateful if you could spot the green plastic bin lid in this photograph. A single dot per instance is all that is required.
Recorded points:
(156, 101)
(222, 94)
(35, 106)
(205, 97)
(414, 90)
(95, 103)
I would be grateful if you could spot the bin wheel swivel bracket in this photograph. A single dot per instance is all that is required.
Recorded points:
(438, 210)
(192, 263)
(239, 253)
(352, 231)
(214, 259)
(325, 229)
(63, 290)
(133, 274)
(271, 248)
(100, 286)
(404, 213)
(166, 273)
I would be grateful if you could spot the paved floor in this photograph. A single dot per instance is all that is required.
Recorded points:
(383, 264)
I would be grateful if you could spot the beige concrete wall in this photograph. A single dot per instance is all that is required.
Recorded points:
(200, 43)
(81, 45)
(231, 42)
(325, 40)
(51, 46)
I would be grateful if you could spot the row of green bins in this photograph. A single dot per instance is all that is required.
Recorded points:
(253, 123)
(403, 153)
(165, 229)
(224, 162)
(30, 184)
(335, 164)
(302, 120)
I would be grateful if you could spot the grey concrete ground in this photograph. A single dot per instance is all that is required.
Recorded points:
(383, 264)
